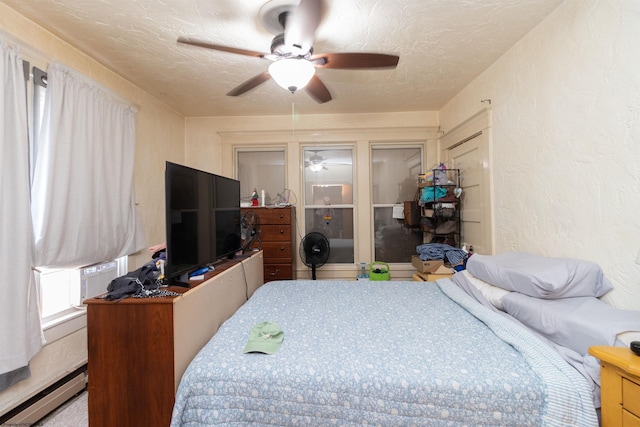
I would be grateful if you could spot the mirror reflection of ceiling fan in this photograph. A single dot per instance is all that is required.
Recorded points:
(293, 60)
(316, 162)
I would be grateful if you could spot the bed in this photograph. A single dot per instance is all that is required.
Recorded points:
(380, 353)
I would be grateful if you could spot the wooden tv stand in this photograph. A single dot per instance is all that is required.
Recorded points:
(140, 347)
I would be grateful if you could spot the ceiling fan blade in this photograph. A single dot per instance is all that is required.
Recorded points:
(250, 84)
(354, 60)
(318, 90)
(302, 23)
(207, 45)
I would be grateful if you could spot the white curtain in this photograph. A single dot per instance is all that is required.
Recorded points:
(20, 330)
(83, 199)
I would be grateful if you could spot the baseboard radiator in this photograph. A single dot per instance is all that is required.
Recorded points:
(48, 400)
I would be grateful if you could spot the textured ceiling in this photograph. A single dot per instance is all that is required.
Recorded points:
(443, 45)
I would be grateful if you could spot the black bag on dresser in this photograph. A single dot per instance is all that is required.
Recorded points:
(134, 282)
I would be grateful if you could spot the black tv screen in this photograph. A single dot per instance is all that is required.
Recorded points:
(227, 216)
(202, 218)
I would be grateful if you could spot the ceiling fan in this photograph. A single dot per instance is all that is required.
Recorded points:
(292, 53)
(316, 162)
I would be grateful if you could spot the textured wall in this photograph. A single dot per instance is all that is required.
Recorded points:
(53, 362)
(566, 139)
(202, 134)
(160, 136)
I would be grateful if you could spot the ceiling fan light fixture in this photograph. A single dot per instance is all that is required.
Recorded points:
(315, 167)
(292, 73)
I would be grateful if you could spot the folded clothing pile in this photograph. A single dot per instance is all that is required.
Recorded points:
(429, 251)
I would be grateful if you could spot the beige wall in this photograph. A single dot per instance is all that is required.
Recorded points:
(53, 362)
(160, 136)
(205, 135)
(566, 139)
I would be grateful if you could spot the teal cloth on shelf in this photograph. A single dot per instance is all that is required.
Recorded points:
(431, 194)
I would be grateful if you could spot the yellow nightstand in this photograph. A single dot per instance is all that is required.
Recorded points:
(620, 386)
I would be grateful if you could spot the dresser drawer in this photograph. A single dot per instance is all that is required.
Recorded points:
(629, 420)
(275, 233)
(277, 272)
(277, 250)
(631, 396)
(277, 216)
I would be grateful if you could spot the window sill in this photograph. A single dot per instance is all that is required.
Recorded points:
(64, 325)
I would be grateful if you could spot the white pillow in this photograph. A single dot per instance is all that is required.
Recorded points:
(624, 339)
(492, 293)
(540, 276)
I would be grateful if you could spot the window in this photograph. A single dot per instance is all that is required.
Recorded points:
(59, 288)
(329, 199)
(394, 172)
(262, 170)
(55, 289)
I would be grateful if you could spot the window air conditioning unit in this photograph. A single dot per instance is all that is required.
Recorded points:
(93, 281)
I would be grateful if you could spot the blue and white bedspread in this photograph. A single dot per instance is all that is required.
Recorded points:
(379, 353)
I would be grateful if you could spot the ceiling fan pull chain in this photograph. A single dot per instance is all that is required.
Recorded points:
(293, 121)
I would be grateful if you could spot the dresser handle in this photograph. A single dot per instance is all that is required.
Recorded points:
(274, 273)
(281, 231)
(281, 248)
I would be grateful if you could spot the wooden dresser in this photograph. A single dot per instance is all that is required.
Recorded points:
(620, 386)
(277, 231)
(139, 348)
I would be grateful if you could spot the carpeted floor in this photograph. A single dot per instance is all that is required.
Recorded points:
(74, 413)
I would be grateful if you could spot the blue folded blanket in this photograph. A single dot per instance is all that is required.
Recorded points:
(429, 251)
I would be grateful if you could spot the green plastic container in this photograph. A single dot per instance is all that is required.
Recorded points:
(379, 271)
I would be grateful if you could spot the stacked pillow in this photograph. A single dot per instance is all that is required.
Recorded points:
(576, 323)
(539, 276)
(557, 297)
(493, 294)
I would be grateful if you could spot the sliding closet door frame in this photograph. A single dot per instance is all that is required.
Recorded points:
(468, 147)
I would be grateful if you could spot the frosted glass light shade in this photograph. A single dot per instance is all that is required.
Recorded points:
(315, 167)
(292, 73)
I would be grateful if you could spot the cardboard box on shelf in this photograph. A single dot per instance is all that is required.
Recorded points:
(434, 277)
(426, 266)
(442, 270)
(441, 273)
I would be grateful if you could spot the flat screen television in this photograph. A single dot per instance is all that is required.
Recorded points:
(202, 219)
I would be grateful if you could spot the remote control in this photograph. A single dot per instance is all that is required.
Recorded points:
(199, 271)
(635, 347)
